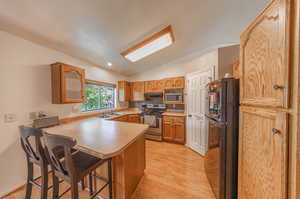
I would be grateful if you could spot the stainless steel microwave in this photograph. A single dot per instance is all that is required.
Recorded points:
(173, 96)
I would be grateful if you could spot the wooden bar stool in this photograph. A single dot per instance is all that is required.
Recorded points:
(74, 167)
(35, 155)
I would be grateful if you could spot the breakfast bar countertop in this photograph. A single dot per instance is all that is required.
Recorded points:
(100, 137)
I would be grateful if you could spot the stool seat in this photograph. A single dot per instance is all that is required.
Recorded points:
(84, 163)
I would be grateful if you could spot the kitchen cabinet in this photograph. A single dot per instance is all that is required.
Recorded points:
(134, 118)
(236, 69)
(154, 86)
(263, 153)
(137, 91)
(265, 58)
(123, 91)
(123, 118)
(67, 83)
(265, 112)
(174, 83)
(174, 129)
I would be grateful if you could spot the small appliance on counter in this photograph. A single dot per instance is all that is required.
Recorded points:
(221, 160)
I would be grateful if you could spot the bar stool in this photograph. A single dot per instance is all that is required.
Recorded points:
(74, 167)
(35, 156)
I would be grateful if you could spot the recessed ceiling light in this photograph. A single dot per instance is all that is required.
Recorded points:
(154, 43)
(109, 63)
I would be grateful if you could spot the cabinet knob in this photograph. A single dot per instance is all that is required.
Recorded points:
(275, 131)
(277, 87)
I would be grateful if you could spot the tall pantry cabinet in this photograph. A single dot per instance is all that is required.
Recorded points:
(268, 97)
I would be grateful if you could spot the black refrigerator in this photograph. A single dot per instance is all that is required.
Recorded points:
(221, 159)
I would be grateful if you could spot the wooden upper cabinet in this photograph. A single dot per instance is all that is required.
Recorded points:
(154, 86)
(236, 69)
(264, 57)
(67, 83)
(262, 154)
(137, 91)
(123, 91)
(174, 83)
(149, 86)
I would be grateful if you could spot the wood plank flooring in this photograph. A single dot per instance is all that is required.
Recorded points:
(172, 172)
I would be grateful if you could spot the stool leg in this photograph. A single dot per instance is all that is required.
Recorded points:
(55, 186)
(110, 179)
(44, 187)
(82, 184)
(74, 189)
(91, 184)
(29, 178)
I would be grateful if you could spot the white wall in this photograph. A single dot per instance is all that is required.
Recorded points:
(180, 68)
(220, 58)
(26, 87)
(227, 56)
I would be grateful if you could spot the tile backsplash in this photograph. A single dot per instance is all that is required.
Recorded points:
(156, 101)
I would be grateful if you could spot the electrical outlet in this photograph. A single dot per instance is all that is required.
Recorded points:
(10, 117)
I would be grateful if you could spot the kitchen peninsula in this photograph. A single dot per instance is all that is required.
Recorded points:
(123, 141)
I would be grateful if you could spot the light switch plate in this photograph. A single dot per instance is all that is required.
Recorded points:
(10, 117)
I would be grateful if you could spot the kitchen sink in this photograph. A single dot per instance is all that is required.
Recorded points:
(109, 115)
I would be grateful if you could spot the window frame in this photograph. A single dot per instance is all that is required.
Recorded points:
(104, 84)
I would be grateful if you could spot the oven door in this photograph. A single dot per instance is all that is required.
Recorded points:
(215, 157)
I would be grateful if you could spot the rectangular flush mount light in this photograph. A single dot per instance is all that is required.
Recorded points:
(154, 43)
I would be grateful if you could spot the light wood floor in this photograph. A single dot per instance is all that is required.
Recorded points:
(173, 172)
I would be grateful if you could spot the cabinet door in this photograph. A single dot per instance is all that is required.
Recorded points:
(72, 84)
(167, 131)
(262, 154)
(179, 132)
(123, 91)
(149, 86)
(160, 86)
(236, 69)
(169, 83)
(134, 118)
(179, 82)
(265, 57)
(138, 90)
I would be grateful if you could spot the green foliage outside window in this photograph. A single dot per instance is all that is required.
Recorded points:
(98, 97)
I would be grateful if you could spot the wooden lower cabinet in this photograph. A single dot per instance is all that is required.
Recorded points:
(262, 154)
(174, 129)
(167, 131)
(128, 170)
(134, 118)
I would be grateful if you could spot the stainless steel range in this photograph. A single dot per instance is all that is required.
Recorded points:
(152, 115)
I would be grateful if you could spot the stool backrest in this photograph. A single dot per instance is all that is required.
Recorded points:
(34, 150)
(55, 144)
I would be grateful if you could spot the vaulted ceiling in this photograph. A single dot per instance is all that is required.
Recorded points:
(98, 30)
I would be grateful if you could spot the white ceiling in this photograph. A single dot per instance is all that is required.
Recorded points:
(98, 30)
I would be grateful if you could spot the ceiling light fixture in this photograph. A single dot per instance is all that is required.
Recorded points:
(109, 63)
(154, 43)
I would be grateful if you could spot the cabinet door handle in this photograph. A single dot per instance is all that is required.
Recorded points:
(277, 87)
(275, 131)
